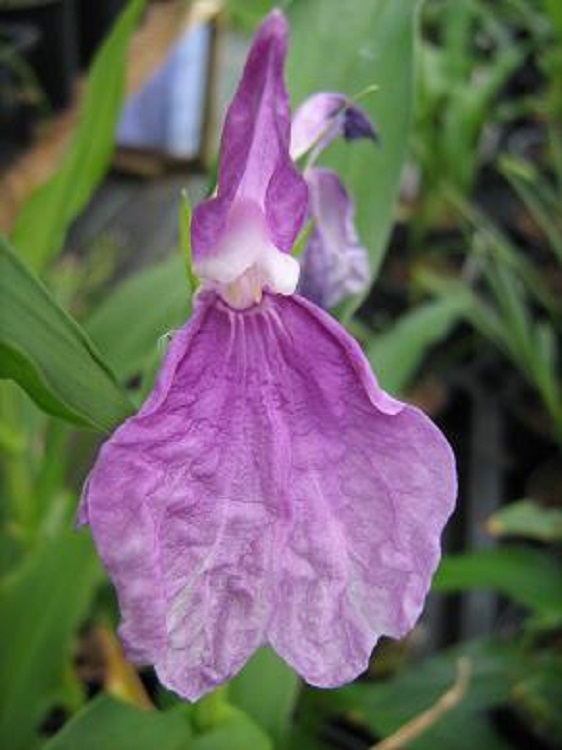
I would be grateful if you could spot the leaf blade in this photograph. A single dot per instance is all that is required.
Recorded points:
(125, 310)
(44, 219)
(42, 604)
(529, 576)
(110, 724)
(375, 45)
(47, 353)
(397, 353)
(272, 704)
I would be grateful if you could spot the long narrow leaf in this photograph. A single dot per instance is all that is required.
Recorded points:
(42, 606)
(527, 519)
(504, 250)
(347, 47)
(397, 353)
(385, 707)
(47, 353)
(42, 223)
(513, 307)
(539, 199)
(126, 327)
(529, 576)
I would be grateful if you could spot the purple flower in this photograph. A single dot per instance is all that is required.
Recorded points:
(335, 264)
(326, 116)
(268, 491)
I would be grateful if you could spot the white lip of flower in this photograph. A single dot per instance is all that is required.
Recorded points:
(246, 262)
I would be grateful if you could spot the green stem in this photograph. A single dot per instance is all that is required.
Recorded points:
(14, 463)
(212, 710)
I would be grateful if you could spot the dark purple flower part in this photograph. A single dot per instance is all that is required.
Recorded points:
(335, 265)
(268, 491)
(357, 125)
(325, 116)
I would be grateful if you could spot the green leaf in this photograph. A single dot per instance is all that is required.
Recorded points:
(545, 371)
(538, 197)
(397, 353)
(108, 724)
(347, 49)
(43, 221)
(554, 10)
(500, 248)
(47, 353)
(478, 313)
(111, 725)
(129, 323)
(532, 346)
(249, 13)
(237, 732)
(304, 739)
(529, 576)
(385, 707)
(514, 310)
(42, 605)
(527, 519)
(186, 213)
(267, 690)
(538, 695)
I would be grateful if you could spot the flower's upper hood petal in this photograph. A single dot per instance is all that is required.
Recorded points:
(335, 265)
(268, 492)
(325, 116)
(255, 166)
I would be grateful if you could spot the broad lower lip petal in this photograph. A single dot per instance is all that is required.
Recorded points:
(268, 492)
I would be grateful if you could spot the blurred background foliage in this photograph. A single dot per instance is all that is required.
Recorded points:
(460, 208)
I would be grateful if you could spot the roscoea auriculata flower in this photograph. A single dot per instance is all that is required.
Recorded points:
(268, 492)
